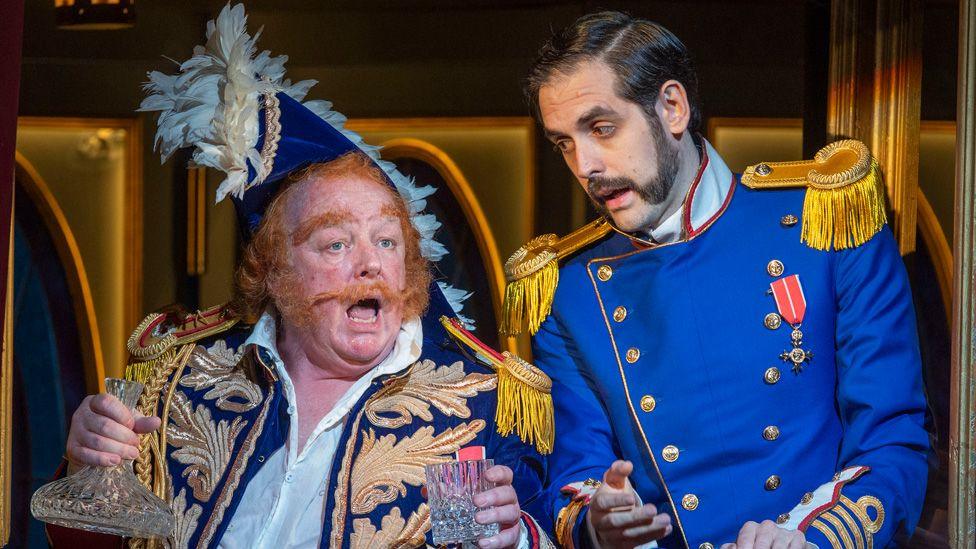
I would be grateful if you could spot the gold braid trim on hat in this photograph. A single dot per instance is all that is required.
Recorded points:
(532, 273)
(845, 201)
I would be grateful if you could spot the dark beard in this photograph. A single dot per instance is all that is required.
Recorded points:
(653, 191)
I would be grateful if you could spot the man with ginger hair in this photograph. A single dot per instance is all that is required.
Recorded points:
(312, 425)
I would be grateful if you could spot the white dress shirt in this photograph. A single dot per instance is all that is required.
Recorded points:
(284, 503)
(709, 196)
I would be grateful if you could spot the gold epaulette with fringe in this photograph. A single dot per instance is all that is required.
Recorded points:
(845, 201)
(165, 330)
(524, 391)
(532, 274)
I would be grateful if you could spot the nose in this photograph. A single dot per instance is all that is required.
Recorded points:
(368, 262)
(589, 161)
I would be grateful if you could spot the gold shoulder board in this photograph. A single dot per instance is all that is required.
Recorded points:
(532, 274)
(845, 201)
(164, 330)
(524, 391)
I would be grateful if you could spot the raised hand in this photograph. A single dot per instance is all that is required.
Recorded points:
(615, 517)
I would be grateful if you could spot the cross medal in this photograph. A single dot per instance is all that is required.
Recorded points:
(792, 305)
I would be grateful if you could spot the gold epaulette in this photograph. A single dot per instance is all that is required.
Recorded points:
(845, 201)
(524, 391)
(532, 274)
(165, 330)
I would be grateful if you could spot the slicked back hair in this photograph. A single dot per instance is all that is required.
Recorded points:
(642, 54)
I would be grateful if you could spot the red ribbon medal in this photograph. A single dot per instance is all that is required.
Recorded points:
(792, 305)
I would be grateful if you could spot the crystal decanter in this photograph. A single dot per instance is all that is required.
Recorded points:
(110, 500)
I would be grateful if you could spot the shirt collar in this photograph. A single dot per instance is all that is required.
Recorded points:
(406, 350)
(705, 198)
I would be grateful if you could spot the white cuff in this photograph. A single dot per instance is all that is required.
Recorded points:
(822, 498)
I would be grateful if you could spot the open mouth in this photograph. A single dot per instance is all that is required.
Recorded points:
(606, 195)
(364, 311)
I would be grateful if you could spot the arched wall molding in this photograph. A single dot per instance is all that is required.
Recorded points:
(461, 189)
(938, 246)
(77, 279)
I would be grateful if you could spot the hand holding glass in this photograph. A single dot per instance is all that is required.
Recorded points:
(450, 487)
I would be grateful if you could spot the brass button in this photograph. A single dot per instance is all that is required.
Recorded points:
(807, 498)
(775, 267)
(763, 169)
(604, 272)
(633, 354)
(772, 375)
(689, 502)
(620, 313)
(782, 519)
(773, 321)
(670, 453)
(772, 482)
(788, 220)
(771, 433)
(648, 403)
(706, 545)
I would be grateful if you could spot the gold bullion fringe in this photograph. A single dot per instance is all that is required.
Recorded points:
(525, 404)
(846, 216)
(528, 300)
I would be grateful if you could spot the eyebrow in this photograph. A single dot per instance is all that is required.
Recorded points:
(309, 226)
(391, 211)
(585, 120)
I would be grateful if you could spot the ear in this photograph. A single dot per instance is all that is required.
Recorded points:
(673, 107)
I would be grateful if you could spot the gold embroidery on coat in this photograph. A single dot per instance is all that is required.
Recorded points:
(234, 475)
(342, 486)
(446, 387)
(395, 533)
(203, 445)
(216, 369)
(383, 465)
(186, 521)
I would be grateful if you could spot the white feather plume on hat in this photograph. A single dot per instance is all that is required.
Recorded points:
(213, 105)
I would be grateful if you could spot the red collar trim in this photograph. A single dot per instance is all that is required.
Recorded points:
(686, 207)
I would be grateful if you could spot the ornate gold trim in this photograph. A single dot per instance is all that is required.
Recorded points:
(828, 533)
(70, 255)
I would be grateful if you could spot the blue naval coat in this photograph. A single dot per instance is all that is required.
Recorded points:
(227, 414)
(660, 355)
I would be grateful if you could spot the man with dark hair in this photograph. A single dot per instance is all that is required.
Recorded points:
(703, 394)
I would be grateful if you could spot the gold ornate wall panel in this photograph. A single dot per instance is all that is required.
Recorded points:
(93, 170)
(69, 254)
(875, 93)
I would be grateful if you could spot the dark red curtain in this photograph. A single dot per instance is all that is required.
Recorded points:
(11, 32)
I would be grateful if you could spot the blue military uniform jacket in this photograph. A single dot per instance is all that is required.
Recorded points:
(224, 413)
(661, 355)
